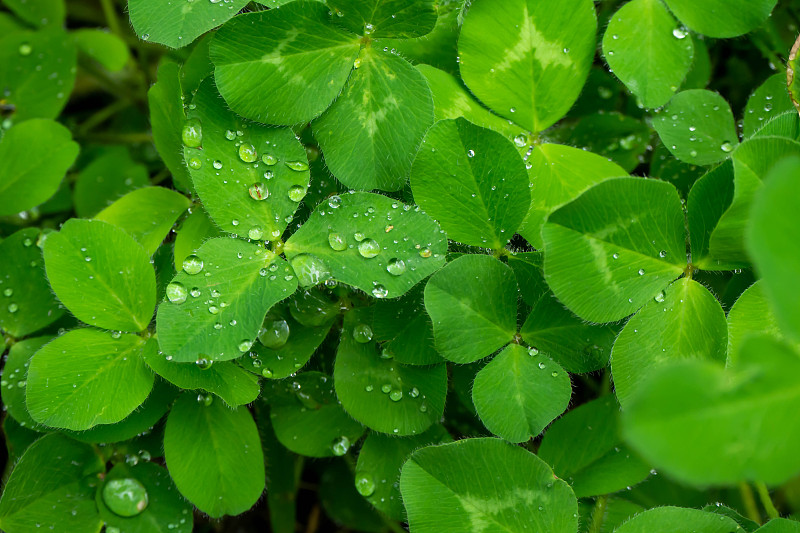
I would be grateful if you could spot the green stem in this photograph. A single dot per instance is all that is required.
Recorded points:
(766, 500)
(598, 514)
(101, 116)
(749, 501)
(119, 138)
(110, 12)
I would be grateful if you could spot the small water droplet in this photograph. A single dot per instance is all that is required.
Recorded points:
(203, 362)
(726, 147)
(296, 193)
(340, 446)
(334, 202)
(337, 242)
(269, 159)
(379, 291)
(369, 248)
(365, 485)
(25, 49)
(125, 496)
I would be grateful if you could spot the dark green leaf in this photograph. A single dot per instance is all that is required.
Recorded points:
(406, 330)
(722, 18)
(178, 24)
(15, 375)
(108, 177)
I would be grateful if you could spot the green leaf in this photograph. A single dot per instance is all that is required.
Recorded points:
(27, 304)
(527, 267)
(147, 214)
(585, 448)
(697, 127)
(519, 393)
(772, 239)
(402, 19)
(101, 274)
(193, 231)
(139, 421)
(237, 282)
(286, 355)
(647, 51)
(294, 51)
(452, 100)
(37, 73)
(669, 519)
(107, 177)
(14, 378)
(379, 462)
(29, 181)
(310, 421)
(251, 183)
(685, 321)
(559, 174)
(405, 329)
(572, 343)
(225, 379)
(87, 377)
(165, 510)
(752, 162)
(52, 487)
(282, 481)
(751, 314)
(214, 456)
(369, 241)
(705, 425)
(473, 305)
(768, 101)
(528, 60)
(165, 102)
(108, 49)
(780, 525)
(39, 13)
(615, 247)
(435, 478)
(370, 134)
(476, 169)
(343, 504)
(722, 18)
(381, 394)
(178, 24)
(709, 198)
(717, 508)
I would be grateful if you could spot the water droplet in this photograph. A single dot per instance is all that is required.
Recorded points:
(379, 291)
(362, 333)
(296, 193)
(369, 248)
(255, 233)
(678, 33)
(25, 49)
(396, 395)
(245, 345)
(334, 202)
(533, 351)
(195, 292)
(386, 388)
(554, 373)
(125, 496)
(726, 147)
(192, 133)
(662, 254)
(274, 334)
(337, 242)
(660, 297)
(310, 269)
(247, 153)
(205, 399)
(641, 272)
(425, 252)
(203, 362)
(176, 292)
(541, 365)
(470, 153)
(298, 166)
(365, 485)
(258, 191)
(340, 446)
(521, 140)
(217, 164)
(396, 267)
(269, 159)
(145, 36)
(192, 265)
(8, 292)
(230, 135)
(195, 163)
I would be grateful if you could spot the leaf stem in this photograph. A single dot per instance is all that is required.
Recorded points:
(749, 501)
(110, 12)
(598, 514)
(766, 500)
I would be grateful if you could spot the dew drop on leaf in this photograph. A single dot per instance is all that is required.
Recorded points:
(192, 265)
(362, 333)
(369, 248)
(255, 233)
(269, 159)
(298, 166)
(125, 497)
(296, 193)
(379, 291)
(192, 133)
(337, 242)
(258, 191)
(203, 362)
(247, 153)
(275, 333)
(340, 446)
(396, 267)
(310, 269)
(176, 292)
(365, 485)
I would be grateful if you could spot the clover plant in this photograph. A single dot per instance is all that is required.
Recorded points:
(386, 265)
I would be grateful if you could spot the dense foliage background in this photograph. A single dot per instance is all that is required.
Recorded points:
(368, 265)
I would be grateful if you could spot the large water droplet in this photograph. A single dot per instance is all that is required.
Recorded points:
(125, 497)
(369, 248)
(726, 147)
(245, 345)
(255, 233)
(379, 291)
(396, 395)
(297, 166)
(247, 153)
(275, 333)
(396, 267)
(337, 242)
(296, 193)
(205, 399)
(192, 265)
(365, 485)
(340, 446)
(362, 333)
(258, 191)
(334, 202)
(310, 269)
(269, 159)
(192, 133)
(176, 292)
